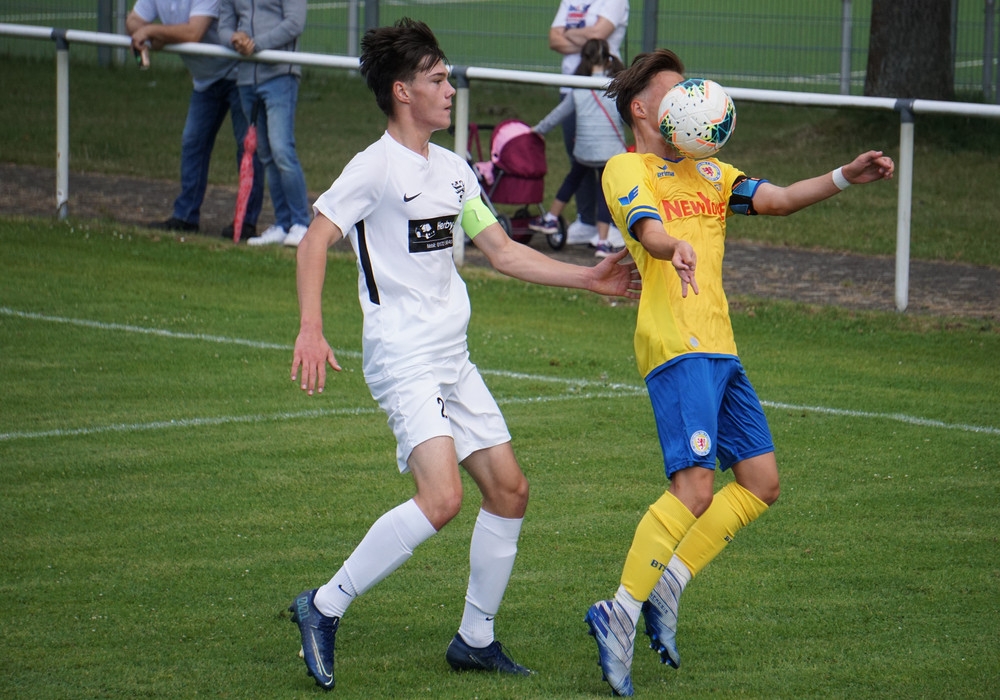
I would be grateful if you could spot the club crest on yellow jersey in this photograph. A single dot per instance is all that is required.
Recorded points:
(709, 170)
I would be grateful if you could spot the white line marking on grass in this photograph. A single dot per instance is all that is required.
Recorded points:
(898, 417)
(100, 325)
(612, 390)
(184, 423)
(561, 380)
(274, 417)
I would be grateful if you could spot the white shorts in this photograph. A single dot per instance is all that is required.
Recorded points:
(448, 398)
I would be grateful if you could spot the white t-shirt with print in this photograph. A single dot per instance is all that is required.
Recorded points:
(398, 210)
(576, 14)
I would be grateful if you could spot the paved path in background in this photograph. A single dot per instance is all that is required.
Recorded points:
(810, 276)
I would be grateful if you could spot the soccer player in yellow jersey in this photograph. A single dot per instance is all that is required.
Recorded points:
(673, 212)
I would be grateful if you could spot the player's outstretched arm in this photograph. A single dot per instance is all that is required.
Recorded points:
(871, 166)
(312, 353)
(610, 277)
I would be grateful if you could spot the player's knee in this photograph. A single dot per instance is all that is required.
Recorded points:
(698, 503)
(519, 494)
(508, 498)
(768, 493)
(451, 503)
(694, 488)
(441, 506)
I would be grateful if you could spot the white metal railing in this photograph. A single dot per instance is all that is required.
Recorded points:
(907, 109)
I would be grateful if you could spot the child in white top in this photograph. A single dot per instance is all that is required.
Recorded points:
(600, 134)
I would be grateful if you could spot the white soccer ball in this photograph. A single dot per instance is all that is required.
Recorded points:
(697, 117)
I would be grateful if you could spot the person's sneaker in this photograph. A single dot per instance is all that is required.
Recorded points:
(615, 634)
(462, 657)
(174, 224)
(615, 237)
(603, 249)
(319, 633)
(660, 613)
(272, 235)
(580, 233)
(547, 224)
(295, 235)
(247, 231)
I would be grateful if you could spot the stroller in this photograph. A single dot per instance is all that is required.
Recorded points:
(515, 175)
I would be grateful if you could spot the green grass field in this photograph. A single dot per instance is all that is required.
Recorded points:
(165, 490)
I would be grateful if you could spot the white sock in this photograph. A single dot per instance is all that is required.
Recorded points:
(491, 559)
(680, 572)
(389, 543)
(629, 604)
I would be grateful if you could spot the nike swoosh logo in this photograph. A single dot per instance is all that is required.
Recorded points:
(341, 587)
(410, 199)
(327, 675)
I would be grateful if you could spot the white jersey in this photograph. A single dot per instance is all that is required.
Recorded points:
(398, 210)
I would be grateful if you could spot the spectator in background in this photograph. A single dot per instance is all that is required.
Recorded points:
(250, 26)
(600, 134)
(575, 22)
(214, 95)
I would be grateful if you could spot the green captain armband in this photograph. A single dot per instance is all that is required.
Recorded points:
(476, 216)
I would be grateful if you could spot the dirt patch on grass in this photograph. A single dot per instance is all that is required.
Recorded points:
(808, 276)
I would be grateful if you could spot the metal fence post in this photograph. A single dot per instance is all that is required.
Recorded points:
(846, 43)
(105, 25)
(121, 13)
(461, 103)
(62, 123)
(371, 14)
(904, 203)
(352, 28)
(989, 34)
(650, 12)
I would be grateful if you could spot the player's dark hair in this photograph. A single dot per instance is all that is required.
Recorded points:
(637, 77)
(397, 53)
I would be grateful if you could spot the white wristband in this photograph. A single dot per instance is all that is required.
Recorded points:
(839, 180)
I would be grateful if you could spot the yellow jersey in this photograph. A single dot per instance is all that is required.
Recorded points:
(691, 198)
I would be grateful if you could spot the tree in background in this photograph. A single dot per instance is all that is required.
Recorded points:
(909, 50)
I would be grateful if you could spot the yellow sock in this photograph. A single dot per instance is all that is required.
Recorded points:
(658, 533)
(732, 509)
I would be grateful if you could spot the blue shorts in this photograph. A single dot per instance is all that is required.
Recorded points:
(706, 409)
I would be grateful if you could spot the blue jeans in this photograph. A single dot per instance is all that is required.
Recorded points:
(276, 147)
(206, 112)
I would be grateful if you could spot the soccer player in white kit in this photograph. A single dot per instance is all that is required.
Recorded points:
(398, 203)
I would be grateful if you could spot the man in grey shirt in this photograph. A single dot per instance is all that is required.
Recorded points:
(214, 95)
(250, 26)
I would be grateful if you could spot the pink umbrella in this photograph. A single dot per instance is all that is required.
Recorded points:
(246, 175)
